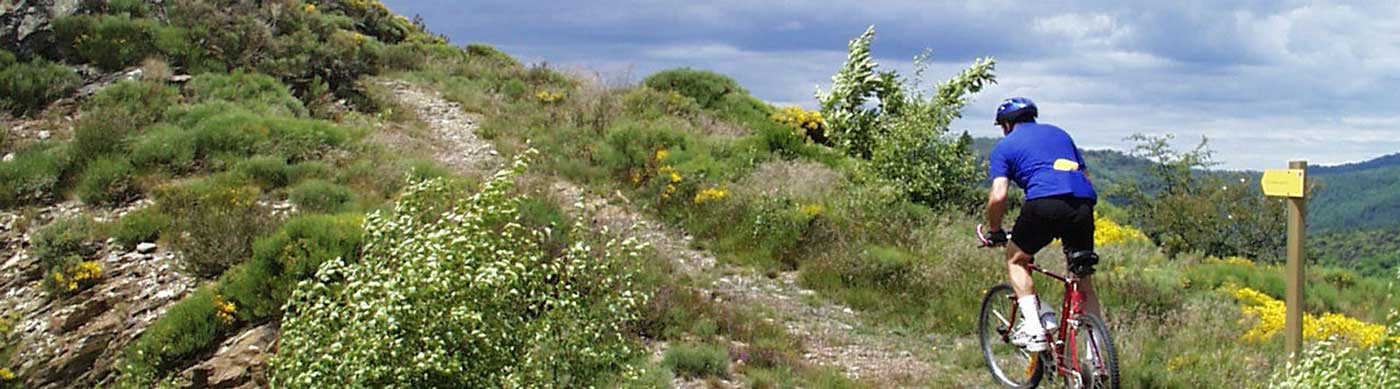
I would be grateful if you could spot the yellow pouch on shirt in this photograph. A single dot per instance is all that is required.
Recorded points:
(1066, 165)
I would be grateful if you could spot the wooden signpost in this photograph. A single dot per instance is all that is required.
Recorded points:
(1292, 184)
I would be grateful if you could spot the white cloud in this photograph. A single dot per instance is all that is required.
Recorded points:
(1266, 79)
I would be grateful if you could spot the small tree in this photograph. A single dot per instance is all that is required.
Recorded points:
(1184, 208)
(903, 132)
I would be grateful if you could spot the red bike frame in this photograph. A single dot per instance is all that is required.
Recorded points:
(1069, 308)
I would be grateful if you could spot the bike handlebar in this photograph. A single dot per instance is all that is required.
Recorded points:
(982, 237)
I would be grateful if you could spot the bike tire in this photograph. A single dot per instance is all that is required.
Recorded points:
(1093, 330)
(998, 303)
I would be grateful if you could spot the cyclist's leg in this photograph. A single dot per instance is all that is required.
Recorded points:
(1033, 230)
(1079, 235)
(1016, 261)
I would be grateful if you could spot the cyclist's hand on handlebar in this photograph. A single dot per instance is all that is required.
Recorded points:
(996, 238)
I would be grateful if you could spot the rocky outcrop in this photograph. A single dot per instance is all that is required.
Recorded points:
(240, 362)
(76, 341)
(24, 24)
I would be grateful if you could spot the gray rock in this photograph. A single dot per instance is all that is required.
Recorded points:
(8, 157)
(145, 247)
(45, 135)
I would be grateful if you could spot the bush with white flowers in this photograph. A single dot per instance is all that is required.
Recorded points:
(455, 293)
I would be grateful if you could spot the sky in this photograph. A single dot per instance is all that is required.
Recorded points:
(1265, 81)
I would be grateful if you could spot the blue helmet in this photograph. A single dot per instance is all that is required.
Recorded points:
(1016, 110)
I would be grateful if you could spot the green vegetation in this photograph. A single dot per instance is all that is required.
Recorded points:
(64, 249)
(26, 88)
(476, 301)
(697, 360)
(260, 286)
(189, 328)
(1188, 212)
(34, 175)
(107, 181)
(321, 196)
(142, 225)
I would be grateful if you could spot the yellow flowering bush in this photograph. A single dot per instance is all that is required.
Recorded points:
(70, 279)
(711, 194)
(549, 97)
(812, 210)
(6, 375)
(1270, 314)
(808, 124)
(224, 309)
(310, 8)
(673, 178)
(1107, 232)
(1232, 260)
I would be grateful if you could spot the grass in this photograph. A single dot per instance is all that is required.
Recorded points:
(697, 361)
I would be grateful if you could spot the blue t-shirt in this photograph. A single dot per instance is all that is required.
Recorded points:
(1043, 160)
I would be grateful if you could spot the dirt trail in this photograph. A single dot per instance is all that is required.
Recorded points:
(833, 334)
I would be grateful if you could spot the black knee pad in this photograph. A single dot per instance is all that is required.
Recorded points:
(1082, 262)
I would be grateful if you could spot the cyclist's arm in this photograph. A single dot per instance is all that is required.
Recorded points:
(996, 203)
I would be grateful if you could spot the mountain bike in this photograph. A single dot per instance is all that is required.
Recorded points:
(1081, 349)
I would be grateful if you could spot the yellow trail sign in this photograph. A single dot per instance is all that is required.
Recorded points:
(1283, 182)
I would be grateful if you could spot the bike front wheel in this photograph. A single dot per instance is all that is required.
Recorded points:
(1093, 355)
(1011, 366)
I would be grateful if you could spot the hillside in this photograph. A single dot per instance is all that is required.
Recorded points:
(326, 194)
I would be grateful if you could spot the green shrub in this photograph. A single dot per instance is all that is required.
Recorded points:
(321, 196)
(305, 139)
(261, 286)
(630, 148)
(142, 225)
(219, 217)
(118, 113)
(6, 59)
(107, 181)
(75, 236)
(709, 89)
(697, 361)
(1185, 211)
(189, 328)
(224, 134)
(34, 175)
(544, 215)
(309, 170)
(63, 248)
(26, 88)
(477, 303)
(165, 146)
(269, 172)
(97, 135)
(134, 8)
(111, 42)
(140, 103)
(413, 56)
(256, 92)
(489, 54)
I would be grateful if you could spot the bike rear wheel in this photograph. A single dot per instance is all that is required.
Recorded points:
(1011, 366)
(1094, 354)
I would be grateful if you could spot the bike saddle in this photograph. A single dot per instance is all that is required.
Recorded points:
(1082, 262)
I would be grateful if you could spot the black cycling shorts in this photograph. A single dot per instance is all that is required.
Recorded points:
(1042, 220)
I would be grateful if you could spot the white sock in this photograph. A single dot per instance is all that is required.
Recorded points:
(1030, 314)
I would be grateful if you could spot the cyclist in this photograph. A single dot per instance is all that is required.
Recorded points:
(1043, 160)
